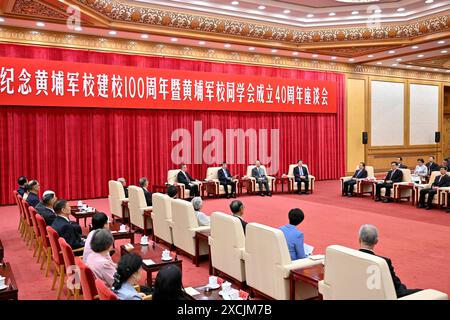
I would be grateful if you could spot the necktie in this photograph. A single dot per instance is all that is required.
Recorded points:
(301, 171)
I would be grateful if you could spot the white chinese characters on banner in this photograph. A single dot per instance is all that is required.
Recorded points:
(87, 84)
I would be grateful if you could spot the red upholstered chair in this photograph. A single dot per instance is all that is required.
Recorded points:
(87, 281)
(46, 248)
(36, 234)
(104, 292)
(69, 263)
(22, 214)
(28, 223)
(21, 220)
(58, 260)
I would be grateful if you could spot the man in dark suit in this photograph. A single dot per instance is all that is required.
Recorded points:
(368, 238)
(69, 230)
(400, 163)
(441, 181)
(45, 207)
(33, 191)
(143, 183)
(348, 185)
(301, 174)
(226, 179)
(22, 181)
(124, 184)
(261, 178)
(432, 165)
(183, 177)
(393, 176)
(237, 208)
(446, 163)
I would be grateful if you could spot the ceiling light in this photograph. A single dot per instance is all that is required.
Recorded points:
(351, 59)
(112, 32)
(40, 24)
(235, 3)
(379, 63)
(422, 68)
(78, 28)
(331, 14)
(201, 43)
(378, 11)
(441, 42)
(399, 59)
(401, 9)
(355, 12)
(310, 15)
(251, 48)
(227, 45)
(415, 47)
(261, 7)
(333, 58)
(174, 39)
(429, 1)
(315, 55)
(295, 53)
(447, 71)
(370, 56)
(287, 11)
(444, 51)
(2, 20)
(144, 36)
(274, 50)
(392, 51)
(420, 56)
(409, 66)
(436, 69)
(394, 65)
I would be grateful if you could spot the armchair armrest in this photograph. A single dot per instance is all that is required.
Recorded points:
(428, 294)
(149, 297)
(311, 177)
(297, 264)
(124, 199)
(78, 250)
(239, 253)
(144, 209)
(202, 228)
(444, 189)
(347, 178)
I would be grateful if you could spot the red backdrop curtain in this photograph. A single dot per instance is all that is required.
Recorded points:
(75, 151)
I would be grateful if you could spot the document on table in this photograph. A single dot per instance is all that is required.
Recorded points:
(148, 262)
(191, 291)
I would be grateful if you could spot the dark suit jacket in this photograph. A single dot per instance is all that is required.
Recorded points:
(244, 224)
(397, 177)
(222, 177)
(255, 173)
(432, 167)
(400, 288)
(360, 174)
(181, 178)
(21, 191)
(70, 231)
(297, 173)
(125, 189)
(33, 199)
(148, 197)
(442, 182)
(46, 213)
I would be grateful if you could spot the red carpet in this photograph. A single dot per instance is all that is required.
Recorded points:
(416, 240)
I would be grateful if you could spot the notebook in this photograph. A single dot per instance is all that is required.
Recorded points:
(148, 262)
(191, 291)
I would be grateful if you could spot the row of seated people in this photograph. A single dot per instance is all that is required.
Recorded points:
(437, 177)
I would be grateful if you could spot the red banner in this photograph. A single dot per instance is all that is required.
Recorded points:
(67, 84)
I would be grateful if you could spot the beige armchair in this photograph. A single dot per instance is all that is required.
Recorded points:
(360, 188)
(396, 194)
(162, 217)
(354, 275)
(268, 263)
(440, 198)
(184, 227)
(116, 198)
(214, 187)
(183, 193)
(253, 186)
(293, 184)
(227, 243)
(139, 211)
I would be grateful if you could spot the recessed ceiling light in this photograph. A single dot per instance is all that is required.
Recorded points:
(315, 55)
(112, 32)
(422, 68)
(379, 63)
(392, 51)
(310, 15)
(227, 45)
(378, 11)
(274, 50)
(351, 59)
(295, 53)
(201, 43)
(251, 48)
(78, 28)
(436, 69)
(355, 12)
(401, 9)
(429, 1)
(399, 59)
(444, 51)
(409, 66)
(394, 65)
(235, 3)
(447, 71)
(332, 14)
(174, 39)
(40, 24)
(144, 36)
(261, 7)
(415, 47)
(420, 56)
(370, 56)
(333, 58)
(441, 42)
(2, 20)
(286, 11)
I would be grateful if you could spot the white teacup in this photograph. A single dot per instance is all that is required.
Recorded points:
(166, 254)
(233, 294)
(212, 281)
(123, 227)
(2, 281)
(226, 286)
(80, 203)
(144, 239)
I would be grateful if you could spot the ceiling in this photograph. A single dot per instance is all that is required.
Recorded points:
(417, 37)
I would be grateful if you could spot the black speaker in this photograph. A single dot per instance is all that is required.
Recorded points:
(437, 137)
(365, 138)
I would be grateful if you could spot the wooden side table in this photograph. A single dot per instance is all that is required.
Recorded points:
(202, 236)
(311, 275)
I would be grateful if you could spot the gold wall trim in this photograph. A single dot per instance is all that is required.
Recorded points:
(26, 36)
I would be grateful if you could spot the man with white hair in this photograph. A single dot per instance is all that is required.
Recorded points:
(124, 184)
(45, 207)
(368, 238)
(203, 219)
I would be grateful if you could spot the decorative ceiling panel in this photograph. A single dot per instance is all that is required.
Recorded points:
(37, 9)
